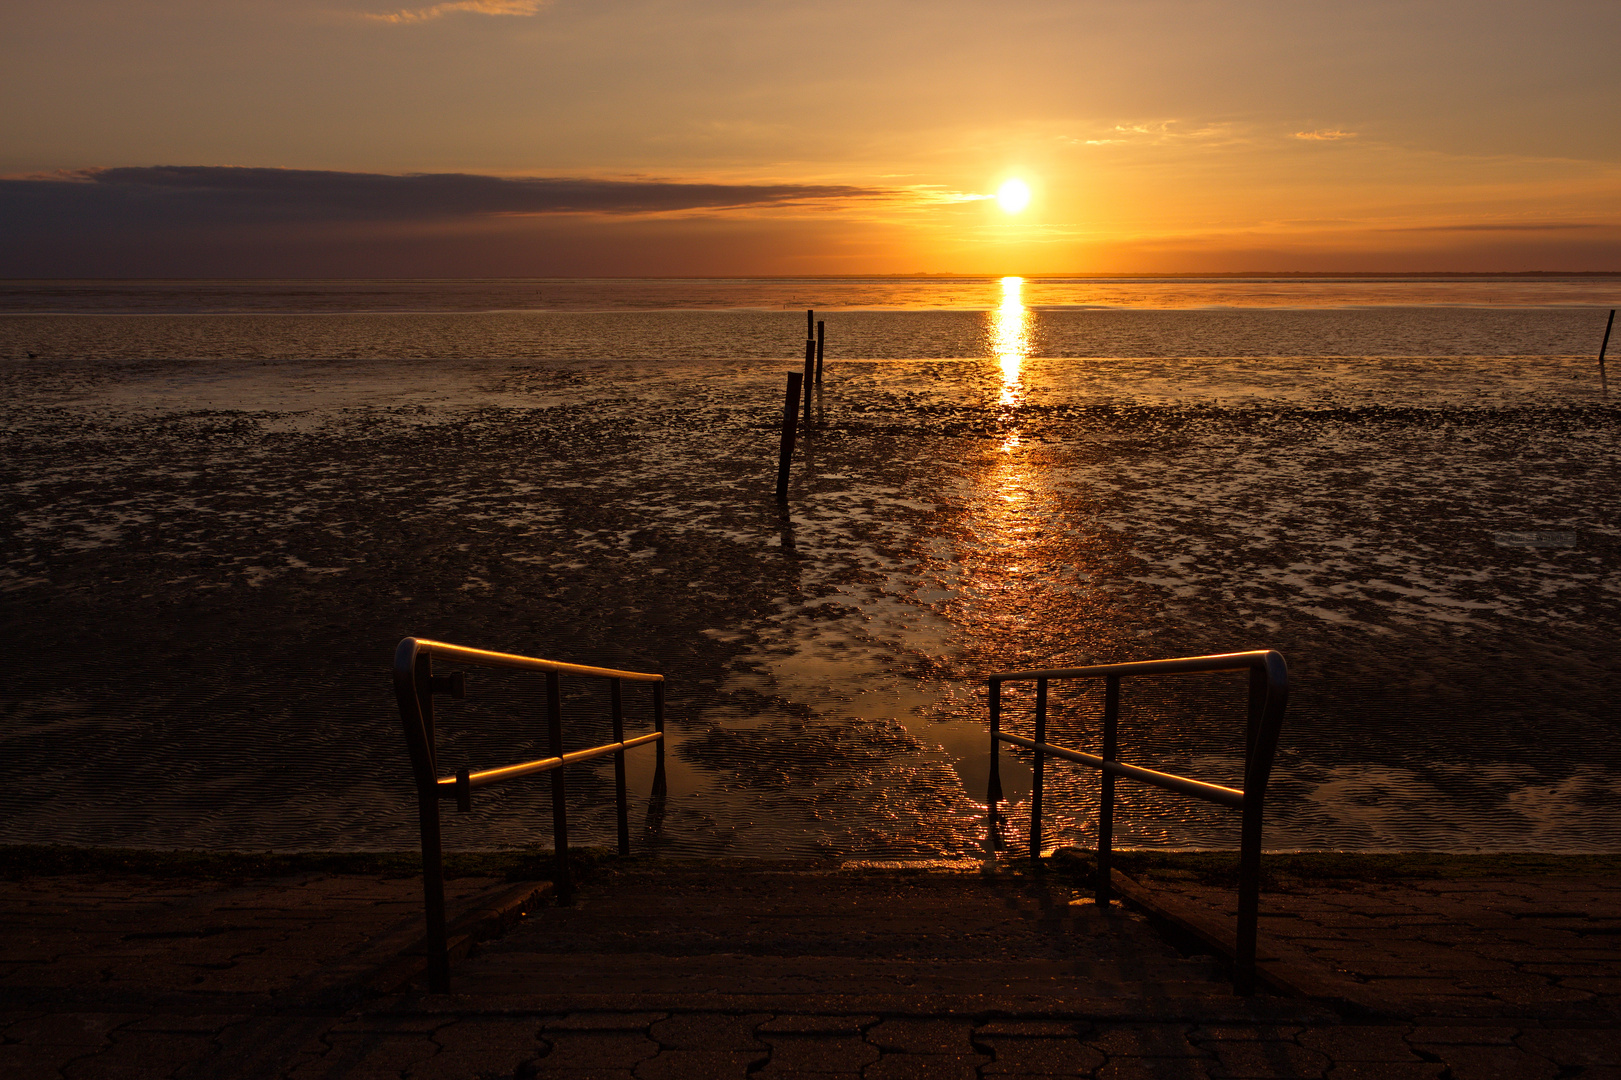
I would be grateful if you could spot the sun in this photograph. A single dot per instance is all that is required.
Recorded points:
(1014, 196)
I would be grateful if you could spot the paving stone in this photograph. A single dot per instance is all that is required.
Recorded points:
(715, 1032)
(925, 1067)
(1240, 1032)
(598, 1049)
(1496, 1063)
(1029, 1029)
(1463, 1035)
(603, 1021)
(518, 1034)
(1147, 1068)
(1360, 1043)
(390, 1024)
(1254, 1058)
(19, 1061)
(70, 1029)
(1573, 1046)
(699, 1065)
(930, 1036)
(211, 1024)
(366, 1057)
(1145, 1041)
(474, 1064)
(817, 1025)
(141, 1055)
(1047, 1057)
(1387, 1070)
(817, 1053)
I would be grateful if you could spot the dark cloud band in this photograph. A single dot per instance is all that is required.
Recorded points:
(215, 195)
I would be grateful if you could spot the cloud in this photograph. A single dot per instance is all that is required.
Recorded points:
(1505, 226)
(1163, 133)
(212, 196)
(478, 7)
(1325, 135)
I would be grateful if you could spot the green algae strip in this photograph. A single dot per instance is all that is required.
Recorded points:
(1207, 867)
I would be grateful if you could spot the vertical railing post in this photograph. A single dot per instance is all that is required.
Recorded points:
(554, 740)
(1111, 747)
(622, 804)
(790, 425)
(1036, 774)
(809, 376)
(658, 721)
(433, 857)
(993, 784)
(1249, 854)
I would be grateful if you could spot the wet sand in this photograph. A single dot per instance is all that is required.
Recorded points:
(210, 562)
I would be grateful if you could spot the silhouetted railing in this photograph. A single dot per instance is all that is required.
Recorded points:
(414, 687)
(1268, 696)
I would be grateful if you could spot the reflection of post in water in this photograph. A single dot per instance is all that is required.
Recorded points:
(661, 788)
(656, 802)
(785, 525)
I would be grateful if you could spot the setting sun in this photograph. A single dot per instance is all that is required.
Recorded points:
(1014, 196)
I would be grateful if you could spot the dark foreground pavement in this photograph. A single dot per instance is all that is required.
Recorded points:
(706, 971)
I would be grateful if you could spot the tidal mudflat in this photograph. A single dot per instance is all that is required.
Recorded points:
(210, 560)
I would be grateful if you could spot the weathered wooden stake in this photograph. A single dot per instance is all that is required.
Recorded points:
(810, 322)
(785, 454)
(810, 375)
(821, 339)
(1603, 382)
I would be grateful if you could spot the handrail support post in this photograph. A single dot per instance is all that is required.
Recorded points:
(621, 802)
(554, 739)
(1036, 774)
(1111, 750)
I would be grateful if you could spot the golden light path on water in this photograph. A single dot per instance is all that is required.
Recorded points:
(1010, 338)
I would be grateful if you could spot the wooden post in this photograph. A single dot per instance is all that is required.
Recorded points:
(810, 322)
(810, 375)
(821, 339)
(785, 454)
(1602, 381)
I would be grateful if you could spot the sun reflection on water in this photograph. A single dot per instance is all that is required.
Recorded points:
(1010, 338)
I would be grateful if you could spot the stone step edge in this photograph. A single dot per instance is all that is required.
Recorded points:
(1234, 1009)
(489, 917)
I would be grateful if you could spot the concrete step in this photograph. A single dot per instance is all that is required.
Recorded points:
(634, 937)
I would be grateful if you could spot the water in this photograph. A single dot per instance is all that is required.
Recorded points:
(231, 499)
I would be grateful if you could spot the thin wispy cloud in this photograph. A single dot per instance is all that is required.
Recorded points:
(1162, 133)
(475, 7)
(1325, 135)
(1503, 226)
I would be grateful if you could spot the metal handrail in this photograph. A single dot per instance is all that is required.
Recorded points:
(1268, 697)
(414, 687)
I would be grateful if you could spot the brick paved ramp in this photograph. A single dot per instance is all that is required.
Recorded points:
(699, 973)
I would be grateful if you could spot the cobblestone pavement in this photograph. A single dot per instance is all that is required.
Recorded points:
(139, 978)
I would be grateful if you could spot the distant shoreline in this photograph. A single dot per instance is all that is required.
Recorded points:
(1237, 275)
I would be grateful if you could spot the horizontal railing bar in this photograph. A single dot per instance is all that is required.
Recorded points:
(527, 663)
(485, 777)
(1218, 662)
(1215, 793)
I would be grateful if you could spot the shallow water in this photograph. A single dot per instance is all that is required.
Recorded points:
(222, 523)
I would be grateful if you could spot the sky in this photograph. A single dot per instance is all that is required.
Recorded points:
(724, 137)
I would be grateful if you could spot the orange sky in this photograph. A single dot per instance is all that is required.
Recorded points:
(849, 137)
